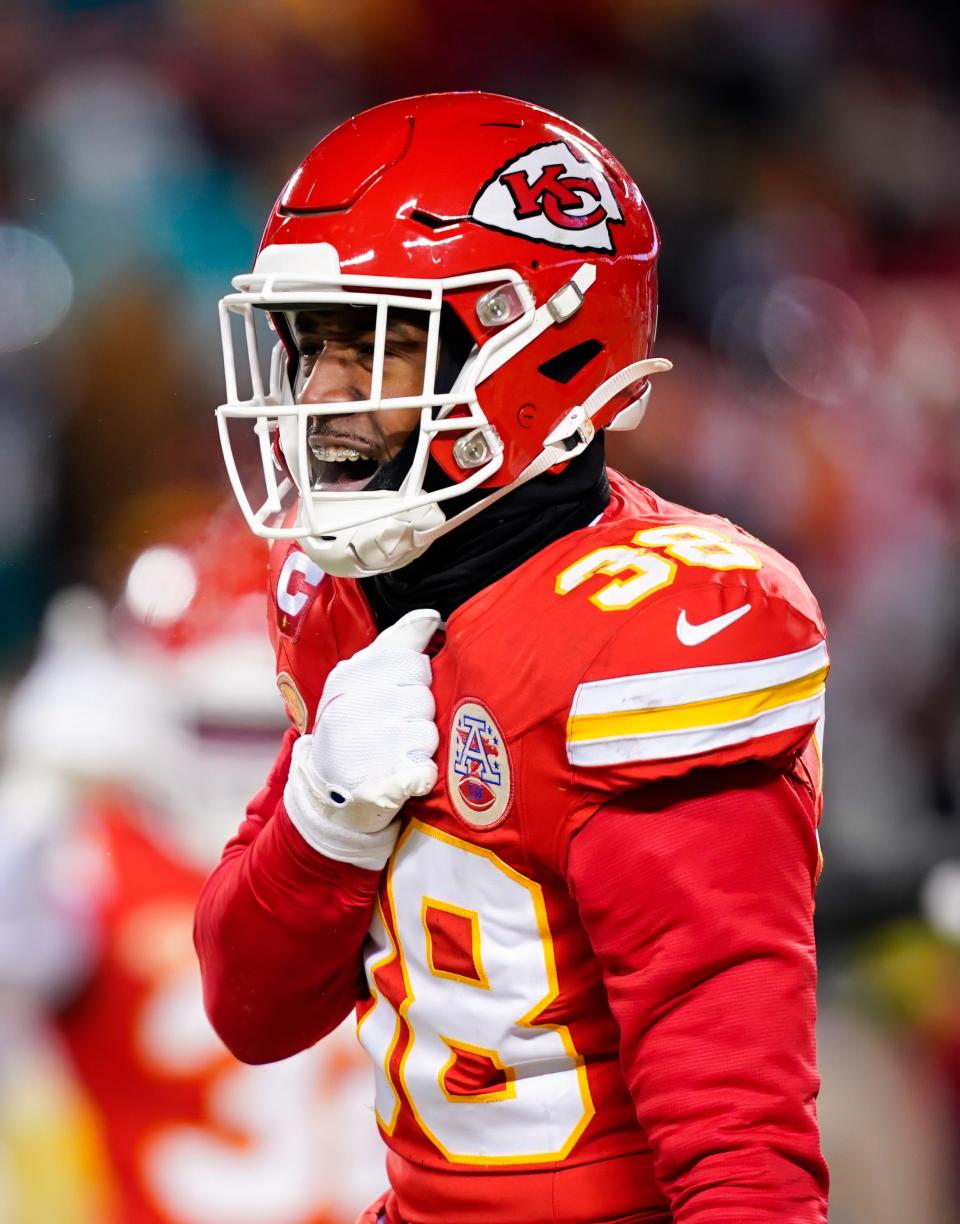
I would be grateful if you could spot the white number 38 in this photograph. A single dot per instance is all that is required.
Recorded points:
(651, 571)
(538, 1102)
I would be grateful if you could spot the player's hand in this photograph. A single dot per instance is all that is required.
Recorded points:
(374, 738)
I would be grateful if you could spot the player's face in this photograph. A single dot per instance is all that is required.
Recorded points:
(336, 361)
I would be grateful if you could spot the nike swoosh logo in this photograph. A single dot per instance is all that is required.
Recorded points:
(693, 635)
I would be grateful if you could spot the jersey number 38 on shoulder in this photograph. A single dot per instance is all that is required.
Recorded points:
(651, 570)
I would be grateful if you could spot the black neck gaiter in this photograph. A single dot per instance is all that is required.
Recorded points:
(496, 541)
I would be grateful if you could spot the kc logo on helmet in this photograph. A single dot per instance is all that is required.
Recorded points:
(548, 195)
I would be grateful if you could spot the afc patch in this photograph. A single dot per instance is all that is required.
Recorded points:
(478, 768)
(548, 194)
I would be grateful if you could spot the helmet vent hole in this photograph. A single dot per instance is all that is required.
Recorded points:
(432, 221)
(571, 361)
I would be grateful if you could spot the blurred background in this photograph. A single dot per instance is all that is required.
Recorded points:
(803, 162)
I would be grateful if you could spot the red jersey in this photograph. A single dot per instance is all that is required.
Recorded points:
(584, 702)
(191, 1135)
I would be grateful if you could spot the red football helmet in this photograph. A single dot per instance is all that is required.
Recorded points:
(193, 618)
(488, 217)
(171, 696)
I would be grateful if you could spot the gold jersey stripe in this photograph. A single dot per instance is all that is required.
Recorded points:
(684, 685)
(671, 745)
(694, 714)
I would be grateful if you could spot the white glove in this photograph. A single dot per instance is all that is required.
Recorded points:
(371, 749)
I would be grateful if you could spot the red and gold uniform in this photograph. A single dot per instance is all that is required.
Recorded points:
(190, 1135)
(586, 976)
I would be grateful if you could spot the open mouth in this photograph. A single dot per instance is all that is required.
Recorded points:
(339, 464)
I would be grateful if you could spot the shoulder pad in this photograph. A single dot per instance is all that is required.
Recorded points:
(718, 655)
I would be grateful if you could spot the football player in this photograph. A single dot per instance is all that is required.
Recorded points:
(547, 813)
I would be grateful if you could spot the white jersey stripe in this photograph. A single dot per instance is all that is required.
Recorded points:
(652, 690)
(693, 741)
(719, 712)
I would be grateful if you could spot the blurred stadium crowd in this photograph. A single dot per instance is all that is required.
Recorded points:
(803, 162)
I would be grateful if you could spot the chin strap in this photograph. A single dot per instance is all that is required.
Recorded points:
(548, 458)
(576, 427)
(581, 417)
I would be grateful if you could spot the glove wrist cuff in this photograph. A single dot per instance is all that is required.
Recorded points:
(313, 815)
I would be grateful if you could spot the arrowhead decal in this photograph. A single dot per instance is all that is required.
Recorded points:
(548, 195)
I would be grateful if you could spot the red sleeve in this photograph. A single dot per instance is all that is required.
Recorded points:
(279, 932)
(697, 897)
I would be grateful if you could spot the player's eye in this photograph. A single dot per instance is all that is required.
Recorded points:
(365, 350)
